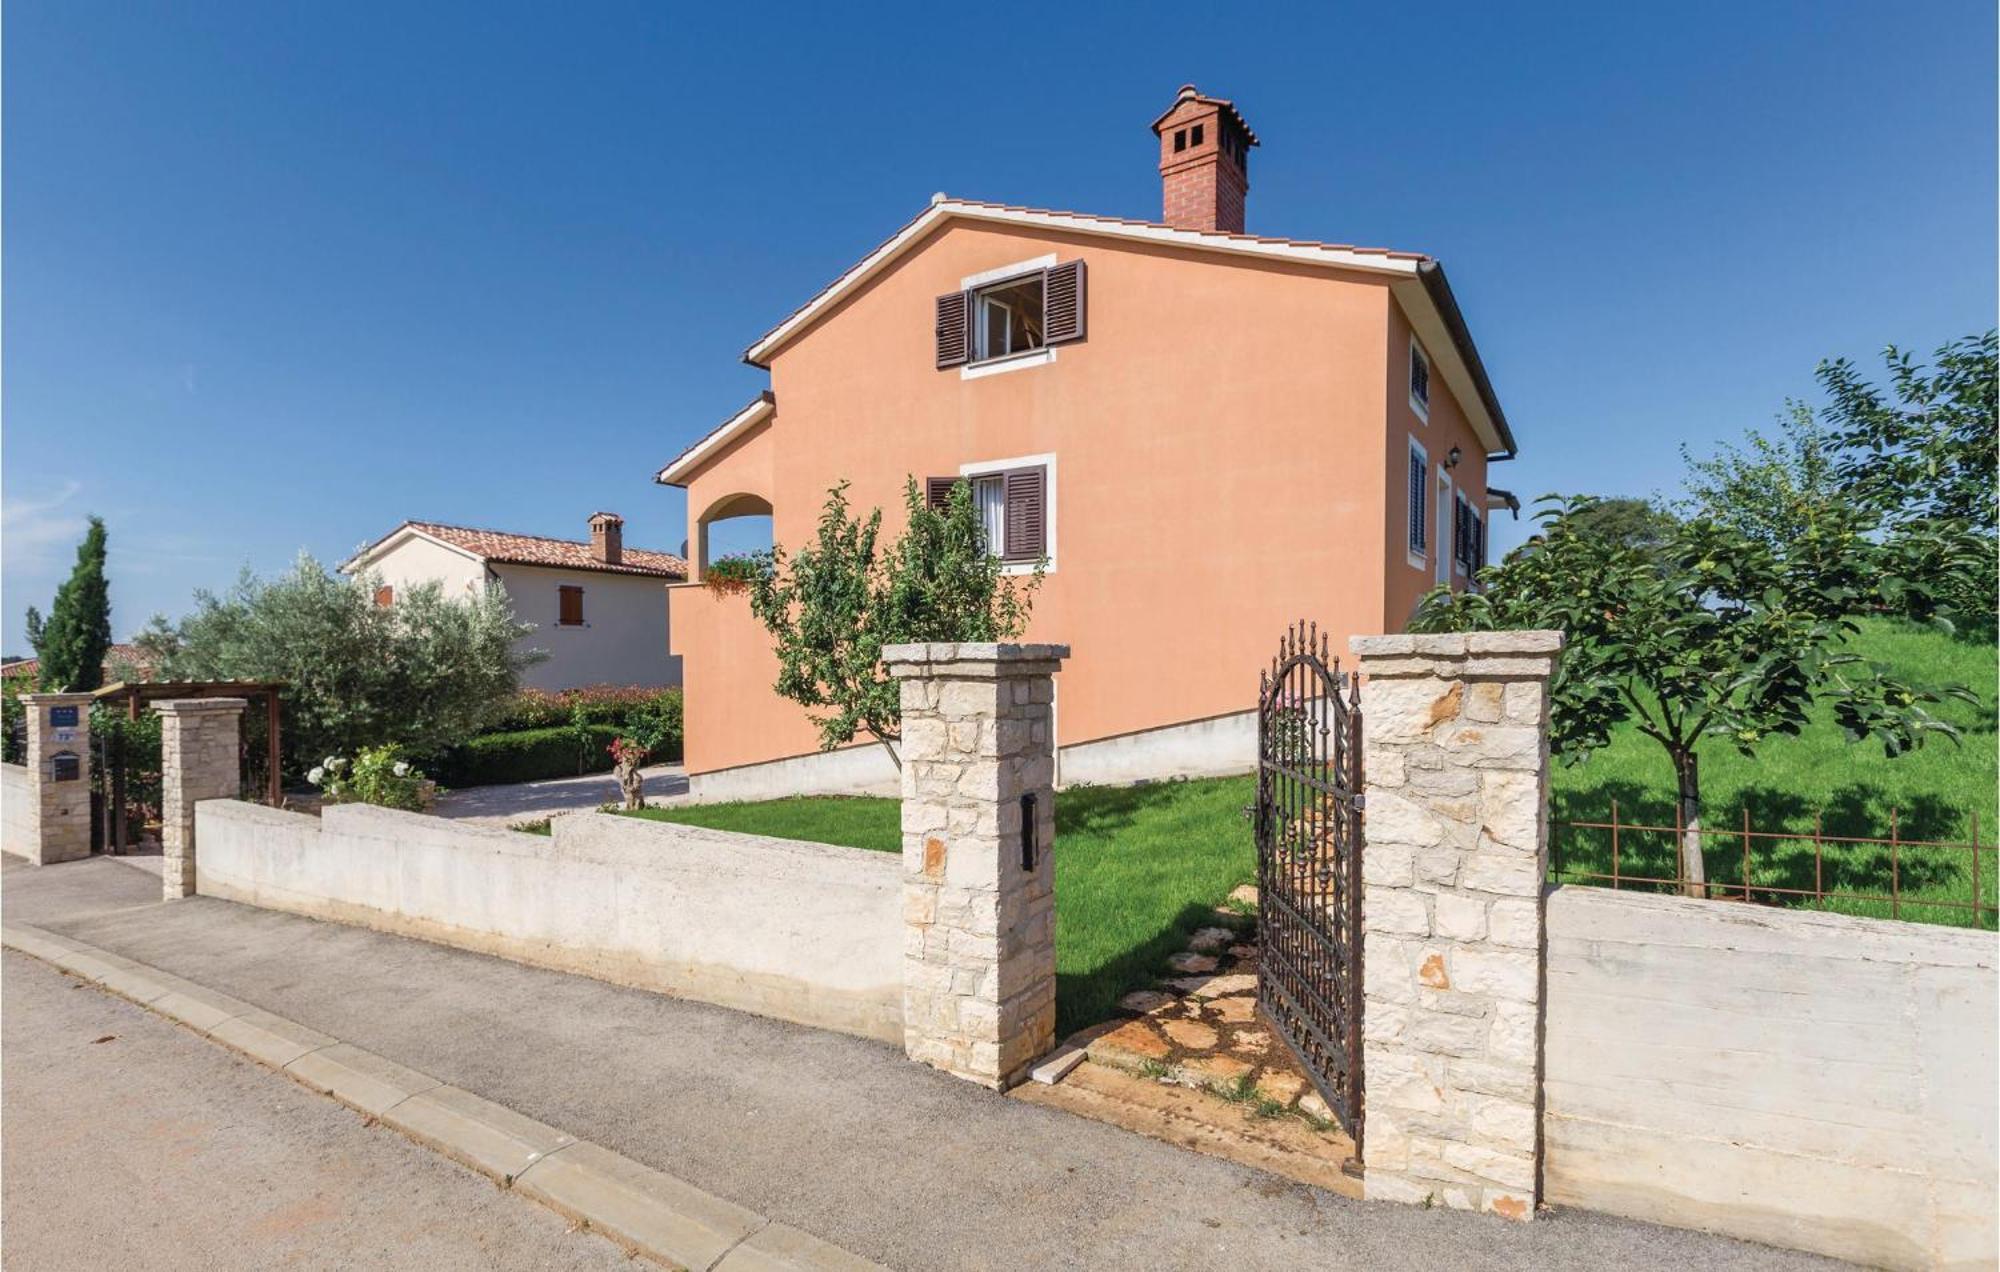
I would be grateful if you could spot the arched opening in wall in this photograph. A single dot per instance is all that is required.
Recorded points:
(735, 525)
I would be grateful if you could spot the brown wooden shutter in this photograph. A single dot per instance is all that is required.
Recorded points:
(954, 330)
(570, 608)
(1062, 303)
(1027, 514)
(385, 595)
(937, 491)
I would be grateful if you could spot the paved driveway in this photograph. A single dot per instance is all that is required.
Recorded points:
(528, 801)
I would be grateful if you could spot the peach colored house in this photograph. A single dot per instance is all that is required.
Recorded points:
(1207, 434)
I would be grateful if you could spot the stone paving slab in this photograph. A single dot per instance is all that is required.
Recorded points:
(638, 1206)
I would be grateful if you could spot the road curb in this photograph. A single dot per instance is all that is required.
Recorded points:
(644, 1210)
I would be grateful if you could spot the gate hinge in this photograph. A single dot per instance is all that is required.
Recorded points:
(1360, 802)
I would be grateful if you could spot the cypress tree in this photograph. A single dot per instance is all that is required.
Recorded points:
(78, 631)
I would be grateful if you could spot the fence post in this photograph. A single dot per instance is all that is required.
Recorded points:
(978, 755)
(59, 776)
(1456, 752)
(200, 758)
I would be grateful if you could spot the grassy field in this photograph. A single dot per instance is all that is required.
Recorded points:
(1137, 870)
(1933, 793)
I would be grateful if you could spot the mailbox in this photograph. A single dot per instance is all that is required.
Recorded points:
(65, 766)
(63, 717)
(1028, 831)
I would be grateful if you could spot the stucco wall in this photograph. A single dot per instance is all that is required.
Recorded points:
(805, 932)
(17, 811)
(1220, 443)
(624, 637)
(411, 560)
(1813, 1081)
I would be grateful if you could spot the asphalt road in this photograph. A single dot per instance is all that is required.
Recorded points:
(841, 1137)
(130, 1142)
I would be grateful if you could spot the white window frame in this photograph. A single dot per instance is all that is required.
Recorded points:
(1418, 560)
(1005, 362)
(1446, 497)
(1047, 463)
(1421, 406)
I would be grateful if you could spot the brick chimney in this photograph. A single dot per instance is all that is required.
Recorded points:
(1204, 163)
(607, 537)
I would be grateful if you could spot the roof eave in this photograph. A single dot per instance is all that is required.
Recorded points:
(1438, 288)
(678, 468)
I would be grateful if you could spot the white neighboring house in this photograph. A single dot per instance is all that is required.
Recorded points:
(599, 608)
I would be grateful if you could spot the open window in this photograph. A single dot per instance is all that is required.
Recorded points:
(1011, 316)
(1013, 504)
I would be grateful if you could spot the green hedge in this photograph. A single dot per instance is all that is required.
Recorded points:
(529, 755)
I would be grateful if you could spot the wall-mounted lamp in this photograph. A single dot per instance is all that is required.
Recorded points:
(1452, 457)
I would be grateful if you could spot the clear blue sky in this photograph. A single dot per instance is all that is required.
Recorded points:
(278, 276)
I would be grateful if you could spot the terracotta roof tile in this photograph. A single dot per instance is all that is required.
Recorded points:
(567, 554)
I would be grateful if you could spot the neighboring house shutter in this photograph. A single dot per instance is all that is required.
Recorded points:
(954, 332)
(1062, 303)
(570, 612)
(385, 595)
(1479, 542)
(937, 491)
(1027, 514)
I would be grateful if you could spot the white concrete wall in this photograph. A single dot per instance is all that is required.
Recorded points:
(1807, 1080)
(1218, 747)
(17, 811)
(806, 932)
(623, 640)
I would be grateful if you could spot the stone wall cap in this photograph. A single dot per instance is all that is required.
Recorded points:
(56, 699)
(1456, 644)
(972, 651)
(189, 706)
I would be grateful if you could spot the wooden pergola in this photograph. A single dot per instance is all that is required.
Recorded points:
(136, 694)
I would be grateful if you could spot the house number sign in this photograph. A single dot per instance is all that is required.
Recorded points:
(63, 717)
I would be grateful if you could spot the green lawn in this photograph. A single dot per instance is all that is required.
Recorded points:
(1138, 868)
(1934, 793)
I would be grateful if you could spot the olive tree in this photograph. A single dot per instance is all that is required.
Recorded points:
(1712, 635)
(423, 673)
(831, 605)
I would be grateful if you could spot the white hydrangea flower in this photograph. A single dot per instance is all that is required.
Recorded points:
(318, 773)
(402, 768)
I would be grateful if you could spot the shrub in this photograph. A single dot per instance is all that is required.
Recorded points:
(378, 775)
(732, 574)
(599, 704)
(528, 755)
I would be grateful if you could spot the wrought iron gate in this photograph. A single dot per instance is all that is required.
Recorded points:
(1308, 826)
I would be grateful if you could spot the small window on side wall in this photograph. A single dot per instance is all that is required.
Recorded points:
(1013, 510)
(569, 606)
(1420, 380)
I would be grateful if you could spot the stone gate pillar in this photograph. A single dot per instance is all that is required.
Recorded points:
(979, 954)
(59, 775)
(1456, 764)
(200, 758)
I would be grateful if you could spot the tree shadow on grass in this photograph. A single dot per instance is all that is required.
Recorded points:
(1085, 998)
(1927, 874)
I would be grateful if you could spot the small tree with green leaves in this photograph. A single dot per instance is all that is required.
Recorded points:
(832, 605)
(78, 631)
(1712, 636)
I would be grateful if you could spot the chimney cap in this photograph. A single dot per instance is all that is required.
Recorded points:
(1189, 93)
(596, 517)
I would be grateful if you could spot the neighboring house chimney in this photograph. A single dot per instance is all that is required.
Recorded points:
(1204, 163)
(607, 537)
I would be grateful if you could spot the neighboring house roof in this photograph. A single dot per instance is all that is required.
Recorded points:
(117, 658)
(677, 469)
(499, 547)
(1417, 280)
